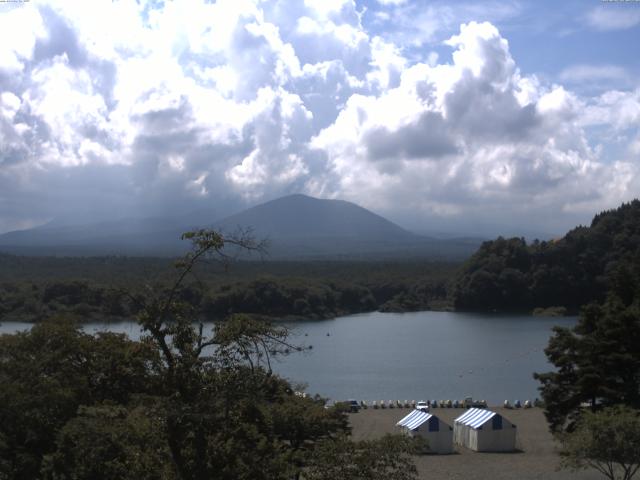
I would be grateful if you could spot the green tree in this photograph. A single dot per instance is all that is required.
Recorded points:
(181, 403)
(597, 361)
(225, 414)
(608, 441)
(508, 274)
(111, 442)
(51, 370)
(388, 457)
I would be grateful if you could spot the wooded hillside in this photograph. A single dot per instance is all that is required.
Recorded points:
(509, 274)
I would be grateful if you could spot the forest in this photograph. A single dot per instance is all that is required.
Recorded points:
(567, 273)
(550, 277)
(104, 288)
(186, 403)
(180, 403)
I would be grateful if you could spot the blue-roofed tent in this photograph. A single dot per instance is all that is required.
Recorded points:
(484, 431)
(438, 434)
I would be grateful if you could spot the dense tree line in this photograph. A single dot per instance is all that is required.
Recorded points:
(597, 361)
(509, 274)
(180, 403)
(281, 298)
(504, 274)
(592, 398)
(287, 290)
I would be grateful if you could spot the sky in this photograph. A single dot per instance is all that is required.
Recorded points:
(493, 117)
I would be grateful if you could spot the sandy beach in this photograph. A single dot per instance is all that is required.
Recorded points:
(536, 457)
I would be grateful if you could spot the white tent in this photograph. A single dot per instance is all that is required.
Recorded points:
(438, 434)
(484, 431)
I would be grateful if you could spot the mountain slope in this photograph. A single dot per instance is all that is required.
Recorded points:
(296, 226)
(299, 216)
(156, 236)
(302, 227)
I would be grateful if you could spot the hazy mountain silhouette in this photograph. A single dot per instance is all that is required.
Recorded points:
(300, 216)
(296, 227)
(129, 236)
(303, 227)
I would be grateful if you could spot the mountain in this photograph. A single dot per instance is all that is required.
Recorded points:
(130, 236)
(299, 226)
(296, 227)
(300, 216)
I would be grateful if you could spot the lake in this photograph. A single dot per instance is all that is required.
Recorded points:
(414, 356)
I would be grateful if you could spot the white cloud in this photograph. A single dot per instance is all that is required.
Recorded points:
(474, 136)
(593, 73)
(326, 8)
(141, 107)
(9, 104)
(613, 16)
(387, 62)
(65, 100)
(392, 2)
(20, 28)
(418, 24)
(619, 110)
(599, 79)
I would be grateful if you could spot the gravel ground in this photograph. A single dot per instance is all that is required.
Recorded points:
(536, 457)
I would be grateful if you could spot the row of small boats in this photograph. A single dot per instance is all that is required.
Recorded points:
(412, 404)
(525, 404)
(382, 404)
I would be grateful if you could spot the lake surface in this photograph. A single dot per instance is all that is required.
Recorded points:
(415, 356)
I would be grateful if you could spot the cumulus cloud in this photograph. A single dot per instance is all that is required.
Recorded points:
(120, 109)
(485, 137)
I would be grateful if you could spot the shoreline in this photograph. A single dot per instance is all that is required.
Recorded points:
(294, 318)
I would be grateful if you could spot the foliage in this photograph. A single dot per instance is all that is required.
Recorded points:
(181, 403)
(508, 274)
(91, 289)
(388, 457)
(110, 442)
(426, 295)
(598, 361)
(48, 372)
(608, 441)
(290, 297)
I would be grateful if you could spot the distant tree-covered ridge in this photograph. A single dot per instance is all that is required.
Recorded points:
(509, 274)
(91, 289)
(504, 274)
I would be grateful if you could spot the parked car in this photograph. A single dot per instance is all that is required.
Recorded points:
(422, 405)
(469, 402)
(354, 406)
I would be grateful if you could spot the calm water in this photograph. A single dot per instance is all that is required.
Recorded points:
(423, 355)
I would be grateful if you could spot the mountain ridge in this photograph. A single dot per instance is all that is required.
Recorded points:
(312, 217)
(298, 227)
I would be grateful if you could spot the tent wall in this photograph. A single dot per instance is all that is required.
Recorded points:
(438, 434)
(485, 438)
(503, 440)
(462, 435)
(442, 442)
(438, 442)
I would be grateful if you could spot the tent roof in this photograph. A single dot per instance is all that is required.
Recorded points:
(414, 419)
(475, 417)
